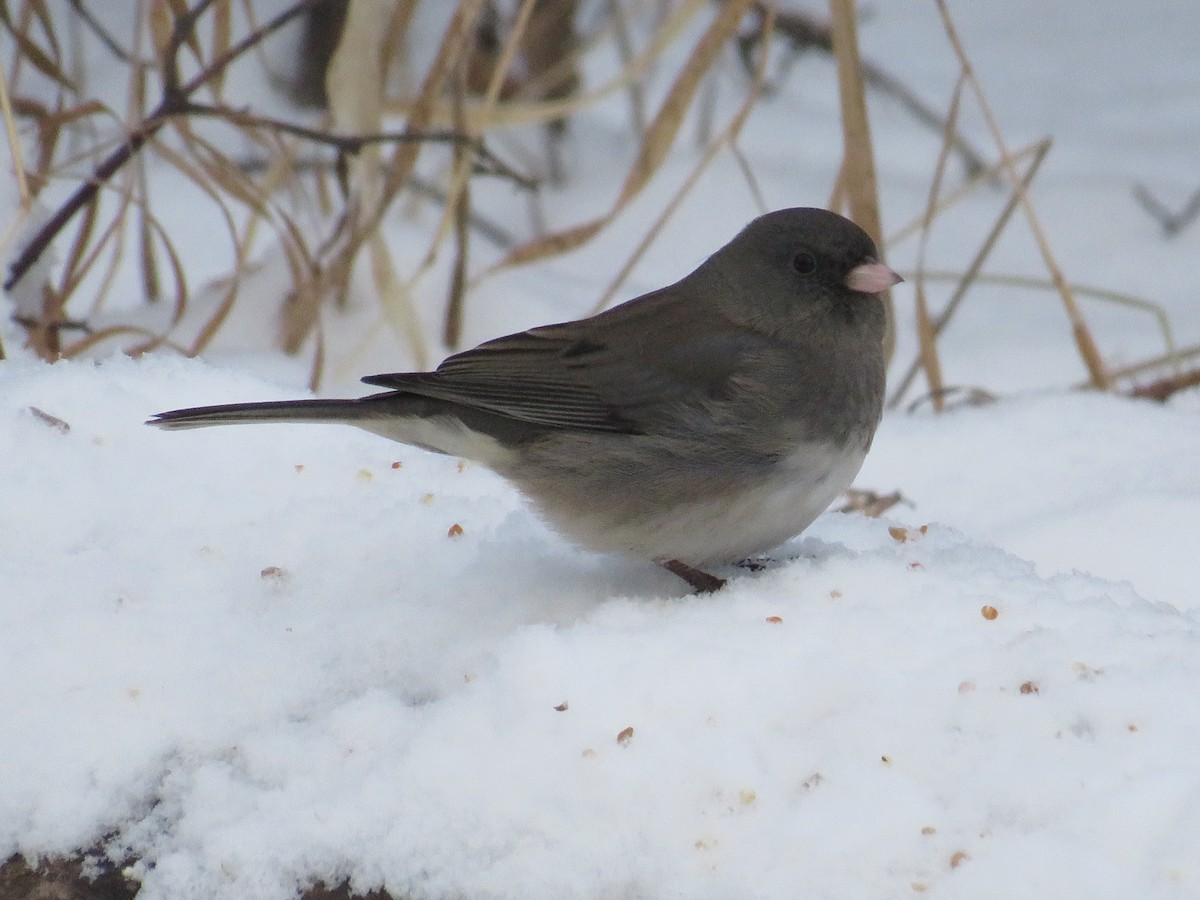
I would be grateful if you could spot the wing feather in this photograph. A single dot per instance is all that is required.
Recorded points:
(606, 373)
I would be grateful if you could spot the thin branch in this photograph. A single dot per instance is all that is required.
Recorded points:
(102, 33)
(486, 162)
(1172, 222)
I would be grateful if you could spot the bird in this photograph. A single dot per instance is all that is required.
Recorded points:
(700, 424)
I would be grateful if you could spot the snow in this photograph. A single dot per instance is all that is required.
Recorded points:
(244, 660)
(1101, 484)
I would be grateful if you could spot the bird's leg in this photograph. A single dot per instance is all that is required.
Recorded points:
(700, 581)
(754, 564)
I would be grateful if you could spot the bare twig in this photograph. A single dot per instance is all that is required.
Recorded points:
(484, 161)
(102, 33)
(1171, 222)
(1164, 388)
(951, 396)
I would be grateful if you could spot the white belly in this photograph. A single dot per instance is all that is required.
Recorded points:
(701, 520)
(720, 524)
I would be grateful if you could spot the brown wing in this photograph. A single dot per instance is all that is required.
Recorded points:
(606, 373)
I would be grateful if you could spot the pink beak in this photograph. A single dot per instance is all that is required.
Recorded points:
(871, 277)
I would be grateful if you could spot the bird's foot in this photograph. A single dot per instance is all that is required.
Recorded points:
(755, 563)
(700, 581)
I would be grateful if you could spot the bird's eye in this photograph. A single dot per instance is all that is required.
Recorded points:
(804, 263)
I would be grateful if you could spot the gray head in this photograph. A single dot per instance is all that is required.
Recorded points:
(800, 271)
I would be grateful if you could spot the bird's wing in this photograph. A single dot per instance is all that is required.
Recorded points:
(607, 373)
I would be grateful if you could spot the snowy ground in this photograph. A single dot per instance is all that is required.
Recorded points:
(255, 658)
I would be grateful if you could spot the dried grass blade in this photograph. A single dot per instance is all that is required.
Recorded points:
(396, 299)
(222, 30)
(161, 24)
(178, 271)
(858, 164)
(926, 335)
(456, 300)
(396, 32)
(318, 364)
(215, 321)
(17, 154)
(28, 49)
(1163, 389)
(101, 335)
(74, 266)
(200, 172)
(42, 13)
(210, 328)
(927, 352)
(181, 287)
(455, 39)
(1175, 358)
(179, 10)
(149, 263)
(300, 314)
(111, 240)
(459, 202)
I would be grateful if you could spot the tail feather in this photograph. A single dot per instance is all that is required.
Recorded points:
(437, 425)
(349, 411)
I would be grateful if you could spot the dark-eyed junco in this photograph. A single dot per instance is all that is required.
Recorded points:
(702, 423)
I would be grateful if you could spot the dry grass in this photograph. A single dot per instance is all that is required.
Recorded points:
(657, 141)
(856, 184)
(488, 74)
(930, 327)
